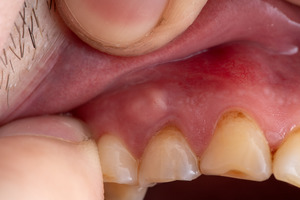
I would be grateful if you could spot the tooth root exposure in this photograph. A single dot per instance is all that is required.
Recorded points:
(238, 149)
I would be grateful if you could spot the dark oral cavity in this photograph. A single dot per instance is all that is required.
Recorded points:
(247, 54)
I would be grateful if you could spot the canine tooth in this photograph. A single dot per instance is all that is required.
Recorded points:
(238, 149)
(115, 191)
(118, 164)
(286, 163)
(168, 157)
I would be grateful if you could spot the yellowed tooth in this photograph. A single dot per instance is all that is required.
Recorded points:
(238, 149)
(168, 157)
(286, 163)
(118, 164)
(115, 191)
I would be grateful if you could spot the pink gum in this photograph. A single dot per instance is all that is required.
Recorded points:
(192, 94)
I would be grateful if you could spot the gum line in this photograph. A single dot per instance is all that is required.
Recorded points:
(193, 93)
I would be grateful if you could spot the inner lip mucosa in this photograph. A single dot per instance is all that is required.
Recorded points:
(253, 68)
(81, 73)
(237, 55)
(194, 92)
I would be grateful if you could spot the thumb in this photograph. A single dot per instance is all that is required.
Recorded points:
(130, 27)
(49, 158)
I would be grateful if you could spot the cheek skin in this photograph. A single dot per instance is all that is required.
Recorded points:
(31, 44)
(8, 13)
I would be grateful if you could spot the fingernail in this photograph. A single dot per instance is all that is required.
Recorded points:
(116, 22)
(131, 27)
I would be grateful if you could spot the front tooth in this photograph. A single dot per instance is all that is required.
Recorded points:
(168, 157)
(115, 191)
(118, 164)
(238, 149)
(286, 164)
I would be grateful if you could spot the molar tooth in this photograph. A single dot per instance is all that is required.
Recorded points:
(115, 191)
(238, 149)
(118, 164)
(167, 158)
(286, 163)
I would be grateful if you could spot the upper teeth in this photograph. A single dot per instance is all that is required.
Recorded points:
(168, 157)
(118, 165)
(237, 149)
(123, 192)
(286, 165)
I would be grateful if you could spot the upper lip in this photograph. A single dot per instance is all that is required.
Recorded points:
(277, 29)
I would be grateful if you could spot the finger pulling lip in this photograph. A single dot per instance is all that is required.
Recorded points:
(81, 73)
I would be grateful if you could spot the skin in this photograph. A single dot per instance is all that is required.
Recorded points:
(33, 166)
(15, 168)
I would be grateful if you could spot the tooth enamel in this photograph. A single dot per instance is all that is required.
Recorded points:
(168, 157)
(238, 149)
(286, 163)
(118, 165)
(115, 191)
